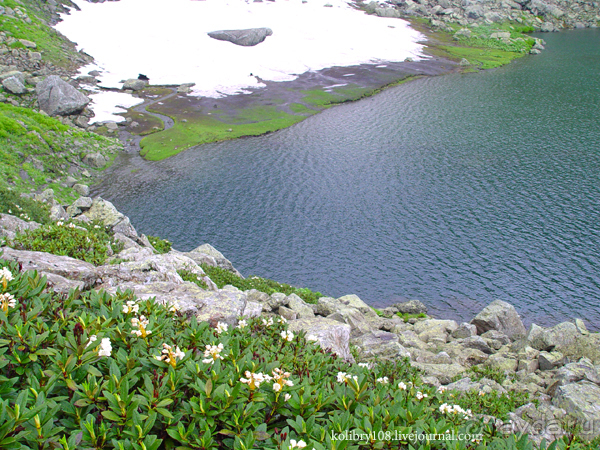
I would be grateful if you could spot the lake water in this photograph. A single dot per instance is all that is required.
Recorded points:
(456, 190)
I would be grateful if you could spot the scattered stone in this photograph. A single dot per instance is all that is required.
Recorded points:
(500, 316)
(82, 189)
(95, 160)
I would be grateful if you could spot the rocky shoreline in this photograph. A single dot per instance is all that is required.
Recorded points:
(559, 366)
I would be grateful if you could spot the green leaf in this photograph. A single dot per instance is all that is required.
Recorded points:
(164, 412)
(111, 416)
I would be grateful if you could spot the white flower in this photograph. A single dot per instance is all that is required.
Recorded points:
(294, 444)
(267, 323)
(242, 324)
(455, 410)
(254, 380)
(287, 336)
(71, 225)
(282, 320)
(222, 327)
(212, 353)
(93, 338)
(481, 393)
(365, 365)
(286, 397)
(6, 275)
(7, 301)
(169, 356)
(141, 325)
(384, 380)
(442, 389)
(343, 377)
(420, 395)
(96, 227)
(281, 379)
(402, 386)
(312, 337)
(105, 347)
(130, 307)
(60, 223)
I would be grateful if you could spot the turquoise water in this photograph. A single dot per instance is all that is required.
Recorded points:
(456, 190)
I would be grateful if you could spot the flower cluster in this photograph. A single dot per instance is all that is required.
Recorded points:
(402, 386)
(222, 327)
(170, 356)
(455, 409)
(281, 379)
(105, 347)
(141, 325)
(5, 277)
(442, 389)
(296, 444)
(343, 377)
(420, 395)
(384, 380)
(174, 306)
(287, 336)
(212, 353)
(253, 380)
(242, 324)
(7, 301)
(131, 307)
(267, 322)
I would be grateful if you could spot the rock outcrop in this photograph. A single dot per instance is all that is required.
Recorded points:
(245, 38)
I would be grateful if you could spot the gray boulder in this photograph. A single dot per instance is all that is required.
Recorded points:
(330, 334)
(381, 344)
(106, 213)
(411, 307)
(443, 372)
(299, 306)
(582, 401)
(200, 253)
(57, 97)
(135, 84)
(14, 85)
(245, 38)
(500, 316)
(96, 160)
(484, 385)
(46, 263)
(11, 225)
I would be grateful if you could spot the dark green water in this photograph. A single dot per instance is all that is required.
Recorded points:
(456, 190)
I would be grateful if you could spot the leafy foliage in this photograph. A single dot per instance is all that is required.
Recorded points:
(160, 245)
(89, 242)
(222, 277)
(77, 372)
(25, 208)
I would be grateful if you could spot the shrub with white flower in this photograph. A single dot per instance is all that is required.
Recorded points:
(131, 307)
(420, 395)
(5, 276)
(222, 327)
(296, 444)
(383, 380)
(141, 324)
(455, 410)
(254, 380)
(281, 379)
(170, 356)
(105, 347)
(242, 324)
(212, 353)
(7, 301)
(287, 336)
(343, 377)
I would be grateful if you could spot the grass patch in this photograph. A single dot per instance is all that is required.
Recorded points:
(223, 277)
(147, 124)
(206, 129)
(299, 108)
(86, 241)
(485, 58)
(38, 150)
(406, 316)
(54, 47)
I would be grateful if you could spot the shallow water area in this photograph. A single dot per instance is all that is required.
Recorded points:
(455, 190)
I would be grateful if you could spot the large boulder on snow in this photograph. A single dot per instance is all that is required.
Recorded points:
(246, 38)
